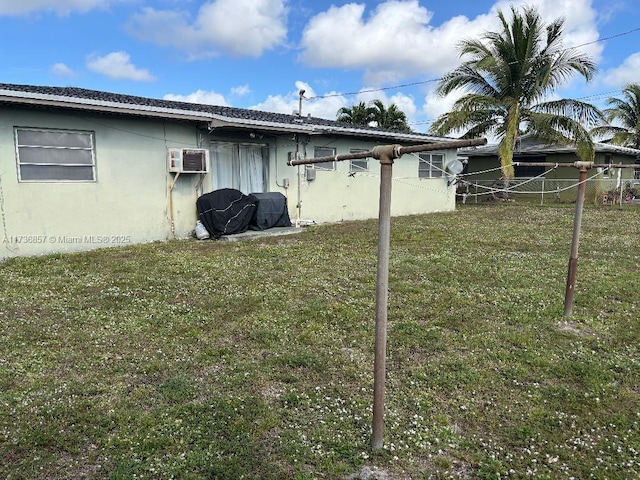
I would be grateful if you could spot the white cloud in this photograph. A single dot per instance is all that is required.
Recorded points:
(434, 105)
(241, 90)
(405, 103)
(61, 7)
(624, 74)
(209, 97)
(63, 71)
(397, 40)
(199, 96)
(117, 65)
(326, 106)
(235, 27)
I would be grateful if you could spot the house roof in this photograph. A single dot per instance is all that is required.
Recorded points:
(529, 145)
(214, 115)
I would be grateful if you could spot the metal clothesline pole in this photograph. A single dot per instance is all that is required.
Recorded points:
(386, 155)
(575, 241)
(577, 220)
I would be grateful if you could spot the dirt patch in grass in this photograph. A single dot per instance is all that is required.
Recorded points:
(574, 328)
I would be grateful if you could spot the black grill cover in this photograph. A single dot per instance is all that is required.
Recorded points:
(226, 211)
(271, 211)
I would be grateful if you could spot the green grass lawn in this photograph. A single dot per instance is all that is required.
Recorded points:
(254, 359)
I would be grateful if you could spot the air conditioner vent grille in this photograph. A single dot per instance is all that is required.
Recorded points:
(193, 161)
(188, 160)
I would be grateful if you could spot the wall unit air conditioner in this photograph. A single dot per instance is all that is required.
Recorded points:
(188, 160)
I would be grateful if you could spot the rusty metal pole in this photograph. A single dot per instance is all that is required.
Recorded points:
(386, 156)
(577, 224)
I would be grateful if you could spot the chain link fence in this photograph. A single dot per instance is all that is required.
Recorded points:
(599, 191)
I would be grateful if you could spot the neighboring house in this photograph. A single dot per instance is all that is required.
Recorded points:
(82, 169)
(482, 167)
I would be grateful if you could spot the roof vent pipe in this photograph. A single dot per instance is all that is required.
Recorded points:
(301, 94)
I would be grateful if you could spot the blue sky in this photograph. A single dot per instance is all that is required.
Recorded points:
(260, 53)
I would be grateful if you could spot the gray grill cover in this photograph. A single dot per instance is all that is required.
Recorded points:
(271, 211)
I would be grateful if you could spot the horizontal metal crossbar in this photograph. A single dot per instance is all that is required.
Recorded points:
(398, 151)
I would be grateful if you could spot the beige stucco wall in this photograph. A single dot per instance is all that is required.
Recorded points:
(128, 202)
(337, 196)
(131, 199)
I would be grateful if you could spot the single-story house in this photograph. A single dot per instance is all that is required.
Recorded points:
(82, 169)
(482, 167)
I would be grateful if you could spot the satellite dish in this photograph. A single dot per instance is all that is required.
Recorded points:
(455, 168)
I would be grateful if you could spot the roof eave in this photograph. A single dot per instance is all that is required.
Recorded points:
(219, 121)
(58, 101)
(213, 120)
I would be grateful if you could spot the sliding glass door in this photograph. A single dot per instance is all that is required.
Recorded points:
(241, 166)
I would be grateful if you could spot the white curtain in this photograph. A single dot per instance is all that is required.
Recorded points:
(251, 169)
(222, 161)
(239, 166)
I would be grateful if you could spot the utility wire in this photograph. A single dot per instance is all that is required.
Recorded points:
(603, 39)
(433, 80)
(369, 90)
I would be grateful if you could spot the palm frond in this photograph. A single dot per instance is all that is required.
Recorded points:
(507, 74)
(582, 112)
(562, 130)
(623, 115)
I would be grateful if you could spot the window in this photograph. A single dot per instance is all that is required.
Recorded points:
(55, 155)
(324, 152)
(430, 165)
(241, 166)
(527, 171)
(360, 165)
(636, 174)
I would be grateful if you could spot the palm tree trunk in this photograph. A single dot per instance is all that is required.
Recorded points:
(507, 144)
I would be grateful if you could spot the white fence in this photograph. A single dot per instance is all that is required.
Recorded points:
(599, 190)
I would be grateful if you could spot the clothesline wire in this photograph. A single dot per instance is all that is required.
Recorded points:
(490, 190)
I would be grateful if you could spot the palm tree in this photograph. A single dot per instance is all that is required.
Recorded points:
(389, 117)
(508, 75)
(359, 114)
(384, 117)
(626, 113)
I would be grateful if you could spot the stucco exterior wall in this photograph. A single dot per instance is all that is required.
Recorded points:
(338, 196)
(128, 202)
(134, 198)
